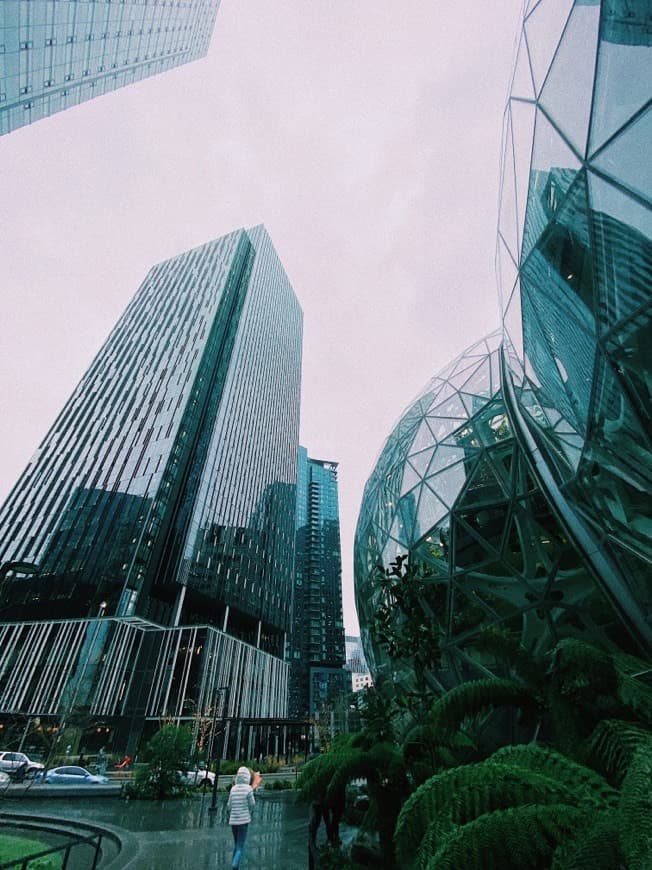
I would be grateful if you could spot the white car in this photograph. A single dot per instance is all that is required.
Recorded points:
(15, 762)
(197, 776)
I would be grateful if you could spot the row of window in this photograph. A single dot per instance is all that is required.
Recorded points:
(27, 44)
(68, 77)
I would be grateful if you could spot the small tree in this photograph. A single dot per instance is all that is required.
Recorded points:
(166, 754)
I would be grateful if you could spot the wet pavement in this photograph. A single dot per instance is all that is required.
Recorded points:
(184, 835)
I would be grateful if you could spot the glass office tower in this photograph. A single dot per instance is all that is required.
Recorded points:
(57, 54)
(164, 493)
(317, 649)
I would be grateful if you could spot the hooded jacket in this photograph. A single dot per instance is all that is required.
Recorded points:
(241, 798)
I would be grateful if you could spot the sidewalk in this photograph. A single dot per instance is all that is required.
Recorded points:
(184, 835)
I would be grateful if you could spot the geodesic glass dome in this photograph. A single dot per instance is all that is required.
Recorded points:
(453, 490)
(575, 260)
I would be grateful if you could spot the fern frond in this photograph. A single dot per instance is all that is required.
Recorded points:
(507, 648)
(501, 643)
(353, 764)
(613, 744)
(433, 838)
(635, 810)
(635, 694)
(594, 847)
(428, 802)
(426, 751)
(489, 787)
(382, 762)
(514, 838)
(497, 788)
(466, 792)
(475, 696)
(580, 667)
(318, 773)
(500, 786)
(325, 777)
(315, 777)
(418, 737)
(558, 767)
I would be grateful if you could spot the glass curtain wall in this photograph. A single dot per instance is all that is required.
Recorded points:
(54, 55)
(575, 254)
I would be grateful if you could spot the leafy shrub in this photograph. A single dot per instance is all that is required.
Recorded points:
(267, 765)
(165, 755)
(279, 785)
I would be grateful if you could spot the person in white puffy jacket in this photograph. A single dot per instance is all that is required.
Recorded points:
(240, 805)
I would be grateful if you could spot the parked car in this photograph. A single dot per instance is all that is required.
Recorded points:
(18, 764)
(5, 779)
(73, 775)
(197, 776)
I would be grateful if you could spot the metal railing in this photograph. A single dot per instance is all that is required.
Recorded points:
(93, 840)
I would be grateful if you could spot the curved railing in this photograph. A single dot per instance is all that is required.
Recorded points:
(82, 843)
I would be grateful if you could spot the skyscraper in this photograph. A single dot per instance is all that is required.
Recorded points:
(56, 55)
(318, 652)
(164, 493)
(355, 660)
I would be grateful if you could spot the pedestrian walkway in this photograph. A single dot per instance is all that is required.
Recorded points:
(184, 835)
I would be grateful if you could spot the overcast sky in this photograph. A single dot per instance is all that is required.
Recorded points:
(365, 135)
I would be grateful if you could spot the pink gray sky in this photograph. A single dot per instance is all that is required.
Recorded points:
(365, 135)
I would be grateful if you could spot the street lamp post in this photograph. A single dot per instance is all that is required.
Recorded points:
(218, 755)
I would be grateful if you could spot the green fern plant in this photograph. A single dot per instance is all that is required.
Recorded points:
(477, 696)
(525, 806)
(593, 847)
(324, 780)
(426, 804)
(512, 777)
(613, 744)
(635, 810)
(516, 838)
(556, 766)
(600, 679)
(427, 751)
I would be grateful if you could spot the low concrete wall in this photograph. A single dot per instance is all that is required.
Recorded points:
(45, 790)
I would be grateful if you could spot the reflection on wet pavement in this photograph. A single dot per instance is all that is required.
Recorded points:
(183, 834)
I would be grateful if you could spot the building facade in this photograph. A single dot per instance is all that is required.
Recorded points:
(355, 660)
(518, 481)
(453, 490)
(164, 497)
(361, 681)
(57, 54)
(317, 649)
(575, 250)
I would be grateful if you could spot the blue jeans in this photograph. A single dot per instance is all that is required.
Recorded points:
(239, 837)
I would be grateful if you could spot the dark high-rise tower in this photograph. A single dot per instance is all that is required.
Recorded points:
(57, 54)
(318, 652)
(164, 493)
